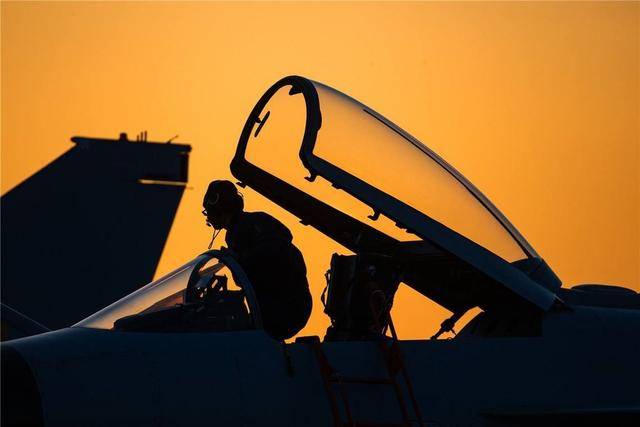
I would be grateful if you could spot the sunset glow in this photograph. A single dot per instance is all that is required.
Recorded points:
(537, 104)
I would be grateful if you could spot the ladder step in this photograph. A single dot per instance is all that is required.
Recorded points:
(360, 380)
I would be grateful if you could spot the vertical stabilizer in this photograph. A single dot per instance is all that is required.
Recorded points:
(89, 227)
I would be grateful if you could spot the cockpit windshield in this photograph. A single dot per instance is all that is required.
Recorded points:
(205, 283)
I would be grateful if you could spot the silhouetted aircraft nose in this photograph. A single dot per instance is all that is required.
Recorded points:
(21, 404)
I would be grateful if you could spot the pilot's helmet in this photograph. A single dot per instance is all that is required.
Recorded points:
(222, 196)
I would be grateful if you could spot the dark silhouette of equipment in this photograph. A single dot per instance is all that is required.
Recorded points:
(89, 228)
(359, 296)
(360, 290)
(536, 353)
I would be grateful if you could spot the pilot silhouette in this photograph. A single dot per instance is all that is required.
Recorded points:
(264, 248)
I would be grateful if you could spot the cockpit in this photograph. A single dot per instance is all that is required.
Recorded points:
(353, 175)
(209, 293)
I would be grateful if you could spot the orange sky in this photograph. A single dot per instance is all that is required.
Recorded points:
(536, 103)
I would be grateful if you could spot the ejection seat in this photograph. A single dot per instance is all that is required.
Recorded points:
(359, 295)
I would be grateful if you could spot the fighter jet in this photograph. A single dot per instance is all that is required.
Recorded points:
(189, 349)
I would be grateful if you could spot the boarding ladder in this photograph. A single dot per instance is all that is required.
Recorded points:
(395, 367)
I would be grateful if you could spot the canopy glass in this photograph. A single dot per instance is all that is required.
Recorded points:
(187, 284)
(367, 146)
(361, 180)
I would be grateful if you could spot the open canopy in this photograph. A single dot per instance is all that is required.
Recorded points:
(381, 190)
